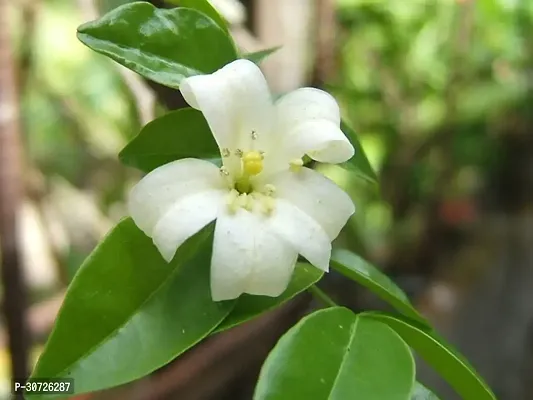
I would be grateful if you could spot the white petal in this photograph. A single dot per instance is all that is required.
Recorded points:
(235, 101)
(274, 265)
(184, 219)
(302, 232)
(306, 104)
(153, 196)
(310, 121)
(317, 196)
(247, 258)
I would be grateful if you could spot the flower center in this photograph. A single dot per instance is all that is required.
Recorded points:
(263, 202)
(251, 165)
(243, 194)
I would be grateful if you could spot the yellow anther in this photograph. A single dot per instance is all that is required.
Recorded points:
(270, 189)
(252, 163)
(242, 200)
(233, 201)
(239, 200)
(269, 204)
(249, 204)
(296, 164)
(225, 152)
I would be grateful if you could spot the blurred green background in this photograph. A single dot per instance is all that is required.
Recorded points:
(440, 94)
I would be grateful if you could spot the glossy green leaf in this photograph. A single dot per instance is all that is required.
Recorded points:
(249, 307)
(178, 134)
(164, 45)
(334, 354)
(359, 162)
(128, 312)
(420, 392)
(354, 267)
(441, 356)
(258, 56)
(205, 8)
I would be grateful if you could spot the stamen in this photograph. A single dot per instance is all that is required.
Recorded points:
(246, 201)
(270, 189)
(232, 201)
(236, 200)
(269, 204)
(242, 200)
(225, 152)
(254, 135)
(224, 171)
(296, 164)
(239, 153)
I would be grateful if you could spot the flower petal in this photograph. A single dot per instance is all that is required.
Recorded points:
(247, 258)
(153, 196)
(302, 232)
(184, 219)
(275, 262)
(317, 196)
(235, 101)
(310, 121)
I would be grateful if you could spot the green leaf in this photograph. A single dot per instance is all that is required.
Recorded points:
(361, 271)
(128, 312)
(336, 355)
(165, 46)
(442, 357)
(249, 307)
(259, 56)
(359, 162)
(178, 134)
(420, 392)
(205, 8)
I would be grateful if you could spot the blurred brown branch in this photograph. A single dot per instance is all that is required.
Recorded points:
(286, 23)
(10, 202)
(326, 49)
(40, 317)
(205, 371)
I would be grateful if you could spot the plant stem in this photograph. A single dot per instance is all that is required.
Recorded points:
(322, 296)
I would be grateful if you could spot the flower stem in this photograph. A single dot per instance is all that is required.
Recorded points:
(322, 296)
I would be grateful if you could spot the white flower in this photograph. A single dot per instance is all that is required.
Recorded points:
(268, 207)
